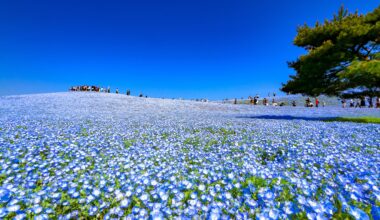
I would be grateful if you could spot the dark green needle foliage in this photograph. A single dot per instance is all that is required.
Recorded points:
(343, 56)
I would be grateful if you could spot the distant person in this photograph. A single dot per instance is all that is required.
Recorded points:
(117, 91)
(274, 103)
(357, 103)
(351, 103)
(265, 101)
(378, 102)
(235, 101)
(362, 102)
(251, 100)
(294, 104)
(307, 102)
(343, 103)
(141, 95)
(128, 92)
(316, 102)
(370, 103)
(323, 104)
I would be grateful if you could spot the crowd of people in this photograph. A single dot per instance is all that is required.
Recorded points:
(309, 103)
(352, 103)
(99, 89)
(255, 100)
(357, 103)
(85, 88)
(362, 102)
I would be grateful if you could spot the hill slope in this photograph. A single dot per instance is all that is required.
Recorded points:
(92, 155)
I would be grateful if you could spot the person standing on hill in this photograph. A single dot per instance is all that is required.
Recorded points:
(343, 103)
(316, 102)
(370, 103)
(256, 99)
(362, 102)
(357, 103)
(274, 103)
(265, 101)
(307, 102)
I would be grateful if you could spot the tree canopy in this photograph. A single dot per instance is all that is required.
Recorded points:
(343, 56)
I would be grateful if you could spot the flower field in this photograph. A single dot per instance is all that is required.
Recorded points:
(108, 156)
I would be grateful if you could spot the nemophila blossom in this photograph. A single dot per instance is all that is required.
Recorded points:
(5, 195)
(20, 216)
(358, 213)
(88, 155)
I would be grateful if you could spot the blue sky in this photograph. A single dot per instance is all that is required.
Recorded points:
(187, 48)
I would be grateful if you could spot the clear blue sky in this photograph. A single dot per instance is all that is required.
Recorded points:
(179, 48)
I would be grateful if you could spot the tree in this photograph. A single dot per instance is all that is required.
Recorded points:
(362, 78)
(343, 56)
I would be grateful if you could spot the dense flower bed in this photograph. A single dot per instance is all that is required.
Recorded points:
(87, 155)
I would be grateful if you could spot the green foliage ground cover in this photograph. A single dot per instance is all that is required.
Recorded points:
(374, 120)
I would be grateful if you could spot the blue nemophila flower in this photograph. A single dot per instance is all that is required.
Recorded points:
(268, 195)
(128, 193)
(124, 203)
(273, 213)
(13, 208)
(42, 217)
(201, 187)
(96, 192)
(93, 211)
(3, 212)
(13, 202)
(37, 209)
(144, 197)
(5, 195)
(156, 215)
(49, 211)
(358, 213)
(20, 216)
(75, 195)
(55, 196)
(214, 214)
